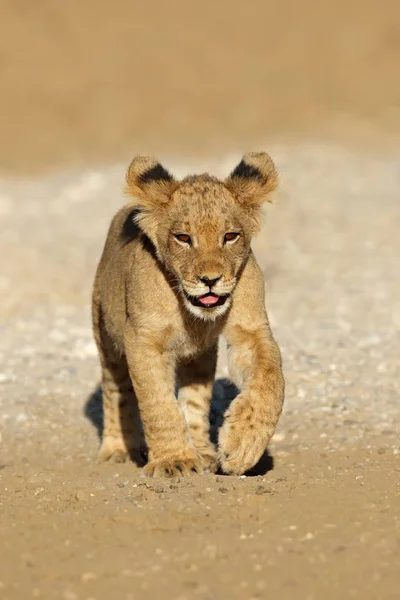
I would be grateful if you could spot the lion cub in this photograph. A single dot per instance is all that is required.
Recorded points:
(177, 271)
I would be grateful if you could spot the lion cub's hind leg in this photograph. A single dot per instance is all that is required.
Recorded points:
(122, 435)
(122, 432)
(195, 381)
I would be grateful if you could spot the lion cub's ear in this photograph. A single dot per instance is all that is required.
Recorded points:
(253, 179)
(148, 181)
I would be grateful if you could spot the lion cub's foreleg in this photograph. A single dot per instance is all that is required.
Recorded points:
(152, 371)
(196, 380)
(255, 367)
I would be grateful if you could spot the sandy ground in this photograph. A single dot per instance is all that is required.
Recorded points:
(84, 85)
(325, 518)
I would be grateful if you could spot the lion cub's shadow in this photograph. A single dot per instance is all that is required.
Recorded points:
(224, 393)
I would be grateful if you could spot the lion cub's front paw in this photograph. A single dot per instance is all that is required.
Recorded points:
(182, 463)
(243, 438)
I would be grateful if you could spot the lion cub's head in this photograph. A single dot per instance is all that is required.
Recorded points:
(201, 227)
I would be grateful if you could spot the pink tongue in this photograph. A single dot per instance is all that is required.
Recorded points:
(209, 300)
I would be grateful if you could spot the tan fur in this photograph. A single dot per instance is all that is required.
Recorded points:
(153, 333)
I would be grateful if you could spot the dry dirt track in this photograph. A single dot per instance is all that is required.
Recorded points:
(324, 521)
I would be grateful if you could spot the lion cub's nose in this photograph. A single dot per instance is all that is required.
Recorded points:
(210, 280)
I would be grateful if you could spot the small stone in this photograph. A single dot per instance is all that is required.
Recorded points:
(262, 489)
(121, 484)
(223, 490)
(82, 496)
(220, 479)
(159, 489)
(381, 450)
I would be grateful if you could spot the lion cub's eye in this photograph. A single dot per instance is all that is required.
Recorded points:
(184, 238)
(231, 236)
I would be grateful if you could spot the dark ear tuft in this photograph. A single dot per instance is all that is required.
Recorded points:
(156, 173)
(253, 179)
(247, 171)
(148, 181)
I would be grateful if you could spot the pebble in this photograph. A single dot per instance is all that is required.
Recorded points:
(82, 496)
(262, 489)
(223, 490)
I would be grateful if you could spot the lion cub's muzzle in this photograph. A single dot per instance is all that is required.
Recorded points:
(208, 300)
(211, 294)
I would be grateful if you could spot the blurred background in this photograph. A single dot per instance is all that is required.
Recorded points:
(96, 81)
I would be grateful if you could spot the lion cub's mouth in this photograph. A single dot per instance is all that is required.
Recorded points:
(209, 300)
